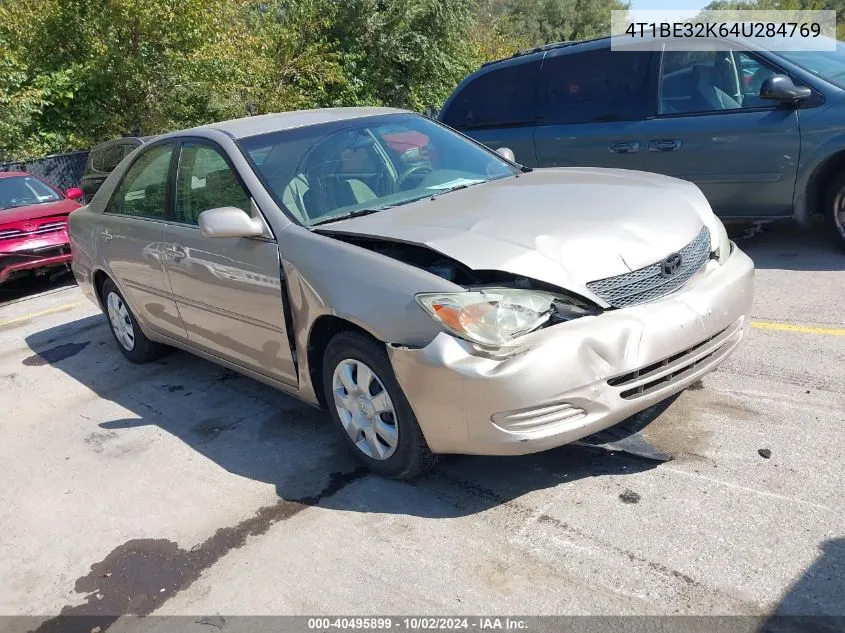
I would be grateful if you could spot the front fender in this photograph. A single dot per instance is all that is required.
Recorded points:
(817, 147)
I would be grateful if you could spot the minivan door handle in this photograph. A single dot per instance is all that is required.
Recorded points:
(664, 145)
(625, 147)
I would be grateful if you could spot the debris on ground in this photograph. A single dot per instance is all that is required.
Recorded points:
(629, 496)
(765, 453)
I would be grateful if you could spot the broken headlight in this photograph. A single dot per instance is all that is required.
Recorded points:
(496, 316)
(720, 243)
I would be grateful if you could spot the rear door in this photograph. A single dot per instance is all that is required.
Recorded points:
(228, 290)
(130, 235)
(713, 129)
(592, 107)
(497, 107)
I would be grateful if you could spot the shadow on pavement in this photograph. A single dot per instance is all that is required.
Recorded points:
(816, 601)
(785, 246)
(27, 287)
(254, 431)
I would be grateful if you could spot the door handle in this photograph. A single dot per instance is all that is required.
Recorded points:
(625, 147)
(105, 235)
(664, 145)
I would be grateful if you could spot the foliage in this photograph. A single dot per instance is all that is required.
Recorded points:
(76, 72)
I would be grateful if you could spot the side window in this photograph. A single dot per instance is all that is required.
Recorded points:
(594, 86)
(752, 73)
(711, 81)
(143, 191)
(503, 96)
(205, 181)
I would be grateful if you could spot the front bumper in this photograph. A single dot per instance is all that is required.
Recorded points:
(12, 265)
(571, 380)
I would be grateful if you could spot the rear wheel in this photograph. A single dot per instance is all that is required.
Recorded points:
(835, 210)
(124, 327)
(370, 410)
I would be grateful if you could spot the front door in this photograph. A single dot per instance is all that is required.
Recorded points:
(131, 237)
(228, 290)
(713, 129)
(592, 108)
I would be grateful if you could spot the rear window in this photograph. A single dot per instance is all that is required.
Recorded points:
(594, 86)
(503, 96)
(107, 158)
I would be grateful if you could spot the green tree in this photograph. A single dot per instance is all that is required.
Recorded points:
(545, 21)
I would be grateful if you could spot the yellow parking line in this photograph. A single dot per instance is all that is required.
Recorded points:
(28, 317)
(803, 329)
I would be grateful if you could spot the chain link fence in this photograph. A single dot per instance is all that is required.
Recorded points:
(63, 171)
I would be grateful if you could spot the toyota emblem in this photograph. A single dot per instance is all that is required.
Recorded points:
(29, 226)
(671, 266)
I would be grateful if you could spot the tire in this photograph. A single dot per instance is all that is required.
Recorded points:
(124, 327)
(388, 439)
(834, 209)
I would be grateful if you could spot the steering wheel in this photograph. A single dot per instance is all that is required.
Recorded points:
(413, 169)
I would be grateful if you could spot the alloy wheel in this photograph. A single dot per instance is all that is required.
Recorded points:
(839, 212)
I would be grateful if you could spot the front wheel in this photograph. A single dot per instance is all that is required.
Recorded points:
(370, 410)
(835, 211)
(125, 329)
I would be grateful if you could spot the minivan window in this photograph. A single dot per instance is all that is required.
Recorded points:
(143, 191)
(594, 86)
(500, 96)
(711, 81)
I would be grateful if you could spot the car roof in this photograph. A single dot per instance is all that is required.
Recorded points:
(122, 140)
(538, 52)
(262, 124)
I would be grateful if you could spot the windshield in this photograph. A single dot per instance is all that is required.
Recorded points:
(829, 65)
(20, 191)
(325, 172)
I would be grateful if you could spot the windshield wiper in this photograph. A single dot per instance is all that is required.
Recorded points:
(351, 214)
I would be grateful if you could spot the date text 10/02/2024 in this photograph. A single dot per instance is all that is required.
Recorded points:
(417, 623)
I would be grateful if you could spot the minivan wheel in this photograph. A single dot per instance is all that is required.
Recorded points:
(370, 410)
(835, 211)
(124, 327)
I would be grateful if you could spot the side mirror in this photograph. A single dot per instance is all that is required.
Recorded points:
(74, 193)
(229, 222)
(507, 154)
(781, 88)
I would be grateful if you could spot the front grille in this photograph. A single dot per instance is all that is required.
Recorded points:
(676, 367)
(46, 227)
(647, 284)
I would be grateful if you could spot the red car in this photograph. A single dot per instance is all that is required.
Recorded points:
(33, 225)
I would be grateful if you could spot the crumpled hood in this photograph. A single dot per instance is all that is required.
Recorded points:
(564, 226)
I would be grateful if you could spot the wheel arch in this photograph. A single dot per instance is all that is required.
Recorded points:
(322, 330)
(820, 180)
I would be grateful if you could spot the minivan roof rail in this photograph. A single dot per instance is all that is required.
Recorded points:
(537, 49)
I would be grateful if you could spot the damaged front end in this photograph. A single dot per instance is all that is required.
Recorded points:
(557, 385)
(496, 308)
